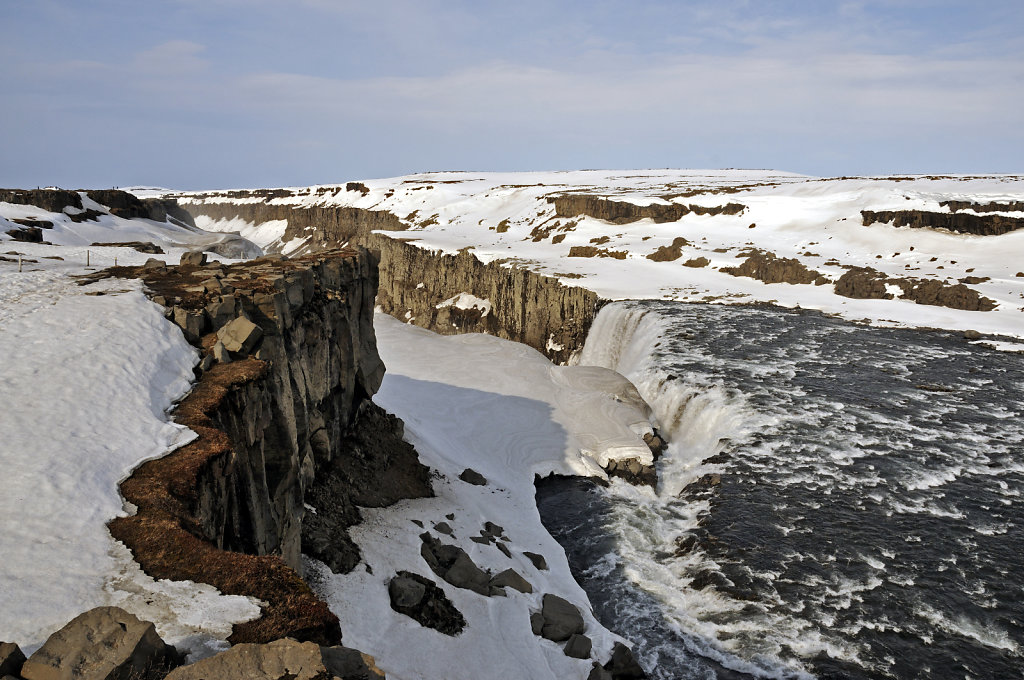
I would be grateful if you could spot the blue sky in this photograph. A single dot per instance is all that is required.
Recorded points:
(198, 94)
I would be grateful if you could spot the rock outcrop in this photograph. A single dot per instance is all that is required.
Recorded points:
(524, 306)
(765, 266)
(624, 212)
(280, 660)
(280, 406)
(959, 222)
(866, 283)
(323, 226)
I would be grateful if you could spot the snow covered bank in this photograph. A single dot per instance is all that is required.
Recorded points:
(503, 410)
(89, 374)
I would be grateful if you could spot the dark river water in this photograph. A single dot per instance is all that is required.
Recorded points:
(837, 501)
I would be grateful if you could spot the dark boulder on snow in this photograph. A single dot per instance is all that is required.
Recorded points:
(562, 619)
(579, 646)
(471, 476)
(423, 601)
(454, 565)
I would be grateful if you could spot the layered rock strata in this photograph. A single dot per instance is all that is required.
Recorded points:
(424, 287)
(524, 306)
(624, 212)
(960, 222)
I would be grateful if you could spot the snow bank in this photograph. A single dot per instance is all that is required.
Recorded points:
(89, 374)
(503, 410)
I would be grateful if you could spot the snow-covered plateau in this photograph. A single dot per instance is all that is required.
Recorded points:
(91, 373)
(547, 222)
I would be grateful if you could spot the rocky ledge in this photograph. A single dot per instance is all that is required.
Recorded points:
(959, 222)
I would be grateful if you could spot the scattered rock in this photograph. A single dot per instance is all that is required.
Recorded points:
(510, 578)
(561, 619)
(443, 528)
(153, 263)
(670, 252)
(537, 623)
(482, 540)
(11, 659)
(101, 644)
(538, 560)
(492, 529)
(697, 262)
(420, 599)
(504, 549)
(599, 673)
(579, 646)
(193, 258)
(240, 336)
(471, 476)
(971, 334)
(454, 565)
(282, 659)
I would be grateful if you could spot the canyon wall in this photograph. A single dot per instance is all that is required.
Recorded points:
(510, 302)
(281, 408)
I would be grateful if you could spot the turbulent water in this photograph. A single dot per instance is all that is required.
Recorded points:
(837, 501)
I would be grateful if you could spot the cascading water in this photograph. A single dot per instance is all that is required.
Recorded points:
(835, 500)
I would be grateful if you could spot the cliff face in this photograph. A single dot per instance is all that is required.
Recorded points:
(624, 212)
(523, 306)
(327, 227)
(282, 403)
(963, 223)
(452, 294)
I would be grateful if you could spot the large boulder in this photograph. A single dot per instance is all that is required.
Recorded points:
(106, 643)
(240, 336)
(562, 619)
(282, 659)
(420, 599)
(510, 578)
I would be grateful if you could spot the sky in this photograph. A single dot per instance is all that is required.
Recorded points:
(204, 94)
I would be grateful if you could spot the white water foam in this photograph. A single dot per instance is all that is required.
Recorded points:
(701, 417)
